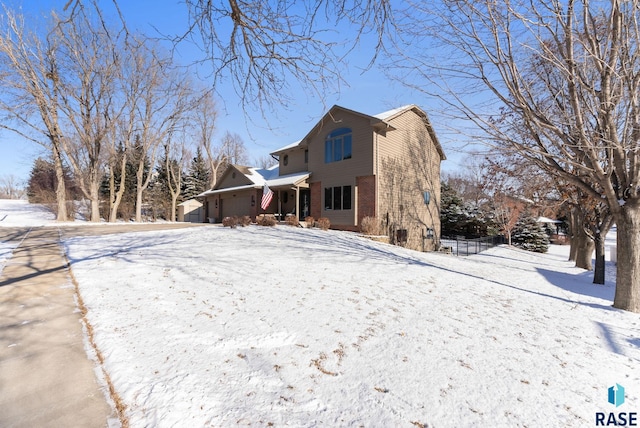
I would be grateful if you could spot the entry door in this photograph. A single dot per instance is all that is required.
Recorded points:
(305, 203)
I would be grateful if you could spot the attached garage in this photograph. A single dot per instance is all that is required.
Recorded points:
(236, 204)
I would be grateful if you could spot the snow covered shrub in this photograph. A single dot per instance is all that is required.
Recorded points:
(529, 235)
(310, 221)
(323, 223)
(267, 220)
(231, 222)
(371, 226)
(291, 220)
(245, 220)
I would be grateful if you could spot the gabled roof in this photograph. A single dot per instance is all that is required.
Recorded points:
(379, 121)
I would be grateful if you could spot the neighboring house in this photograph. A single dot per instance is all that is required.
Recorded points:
(349, 166)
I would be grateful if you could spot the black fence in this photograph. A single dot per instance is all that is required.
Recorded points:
(460, 246)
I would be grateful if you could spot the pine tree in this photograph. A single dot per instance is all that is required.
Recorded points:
(529, 235)
(197, 179)
(42, 183)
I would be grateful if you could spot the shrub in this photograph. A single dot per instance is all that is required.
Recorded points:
(371, 226)
(267, 220)
(231, 222)
(310, 221)
(323, 223)
(245, 220)
(291, 220)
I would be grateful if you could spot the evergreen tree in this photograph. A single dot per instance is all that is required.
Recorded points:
(41, 187)
(529, 235)
(197, 179)
(453, 216)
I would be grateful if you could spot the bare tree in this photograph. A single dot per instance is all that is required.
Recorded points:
(10, 187)
(234, 149)
(264, 161)
(132, 84)
(230, 149)
(175, 158)
(565, 74)
(31, 92)
(90, 58)
(165, 98)
(204, 120)
(270, 45)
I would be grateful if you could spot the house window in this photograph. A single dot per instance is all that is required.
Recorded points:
(306, 156)
(337, 198)
(337, 145)
(285, 161)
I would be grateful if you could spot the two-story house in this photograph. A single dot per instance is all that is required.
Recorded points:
(349, 166)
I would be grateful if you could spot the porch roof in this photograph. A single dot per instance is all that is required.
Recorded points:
(274, 183)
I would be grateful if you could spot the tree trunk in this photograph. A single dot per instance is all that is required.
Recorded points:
(599, 271)
(573, 239)
(138, 204)
(584, 251)
(174, 200)
(627, 219)
(94, 192)
(61, 191)
(115, 197)
(600, 234)
(582, 246)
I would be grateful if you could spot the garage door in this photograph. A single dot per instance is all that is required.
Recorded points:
(238, 206)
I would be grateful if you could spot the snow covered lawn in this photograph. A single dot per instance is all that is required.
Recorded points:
(283, 326)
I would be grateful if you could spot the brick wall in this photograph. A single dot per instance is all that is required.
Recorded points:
(366, 196)
(315, 190)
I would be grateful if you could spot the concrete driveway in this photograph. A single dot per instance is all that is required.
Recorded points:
(49, 375)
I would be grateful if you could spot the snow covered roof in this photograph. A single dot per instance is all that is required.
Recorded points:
(261, 176)
(386, 115)
(547, 220)
(287, 147)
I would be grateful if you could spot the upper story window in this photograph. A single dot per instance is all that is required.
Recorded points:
(337, 145)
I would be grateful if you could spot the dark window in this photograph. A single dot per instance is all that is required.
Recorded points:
(337, 198)
(328, 198)
(346, 198)
(306, 156)
(285, 161)
(337, 145)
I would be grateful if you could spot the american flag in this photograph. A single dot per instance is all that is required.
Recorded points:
(267, 195)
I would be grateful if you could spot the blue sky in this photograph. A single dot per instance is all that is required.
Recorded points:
(367, 91)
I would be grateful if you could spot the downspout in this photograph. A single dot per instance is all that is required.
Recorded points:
(376, 168)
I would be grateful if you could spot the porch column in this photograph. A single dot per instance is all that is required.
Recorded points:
(297, 207)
